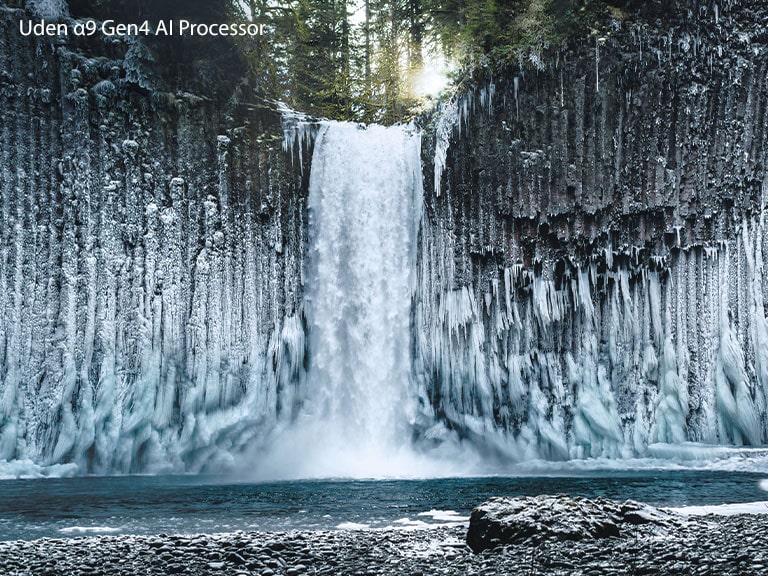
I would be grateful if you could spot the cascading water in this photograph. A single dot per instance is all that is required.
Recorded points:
(365, 203)
(356, 405)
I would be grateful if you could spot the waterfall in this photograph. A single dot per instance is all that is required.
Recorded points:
(365, 203)
(355, 409)
(585, 279)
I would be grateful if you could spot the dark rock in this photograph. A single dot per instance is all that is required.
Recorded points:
(515, 520)
(235, 559)
(707, 546)
(527, 519)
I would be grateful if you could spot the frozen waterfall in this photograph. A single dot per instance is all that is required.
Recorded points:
(651, 342)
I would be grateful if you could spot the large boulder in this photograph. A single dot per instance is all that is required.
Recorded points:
(533, 519)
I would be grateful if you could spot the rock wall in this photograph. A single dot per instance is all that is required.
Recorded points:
(151, 248)
(593, 248)
(590, 271)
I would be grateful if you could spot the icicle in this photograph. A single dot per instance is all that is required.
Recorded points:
(447, 122)
(491, 94)
(516, 84)
(597, 65)
(297, 132)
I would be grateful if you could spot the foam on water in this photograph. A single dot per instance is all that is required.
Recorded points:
(408, 524)
(445, 516)
(76, 530)
(353, 526)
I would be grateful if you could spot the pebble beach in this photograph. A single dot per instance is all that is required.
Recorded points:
(701, 545)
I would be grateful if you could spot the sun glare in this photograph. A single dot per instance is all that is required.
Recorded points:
(430, 82)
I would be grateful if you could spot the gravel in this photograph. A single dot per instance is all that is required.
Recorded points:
(731, 545)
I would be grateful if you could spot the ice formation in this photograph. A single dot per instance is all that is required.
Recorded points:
(602, 362)
(149, 290)
(584, 279)
(50, 9)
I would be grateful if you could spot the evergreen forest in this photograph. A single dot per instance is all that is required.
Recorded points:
(366, 60)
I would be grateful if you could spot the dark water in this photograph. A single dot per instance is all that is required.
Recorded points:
(61, 507)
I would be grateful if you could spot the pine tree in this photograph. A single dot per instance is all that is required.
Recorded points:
(320, 60)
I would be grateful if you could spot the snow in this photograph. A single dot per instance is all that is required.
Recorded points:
(352, 526)
(48, 9)
(723, 509)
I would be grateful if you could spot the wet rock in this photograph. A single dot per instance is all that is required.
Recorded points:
(235, 559)
(705, 546)
(503, 520)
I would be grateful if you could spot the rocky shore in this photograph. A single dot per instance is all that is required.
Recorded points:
(706, 545)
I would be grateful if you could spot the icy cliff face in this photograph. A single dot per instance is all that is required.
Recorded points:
(582, 275)
(48, 9)
(150, 264)
(592, 266)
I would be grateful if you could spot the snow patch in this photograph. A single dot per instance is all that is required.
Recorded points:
(353, 526)
(48, 9)
(723, 509)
